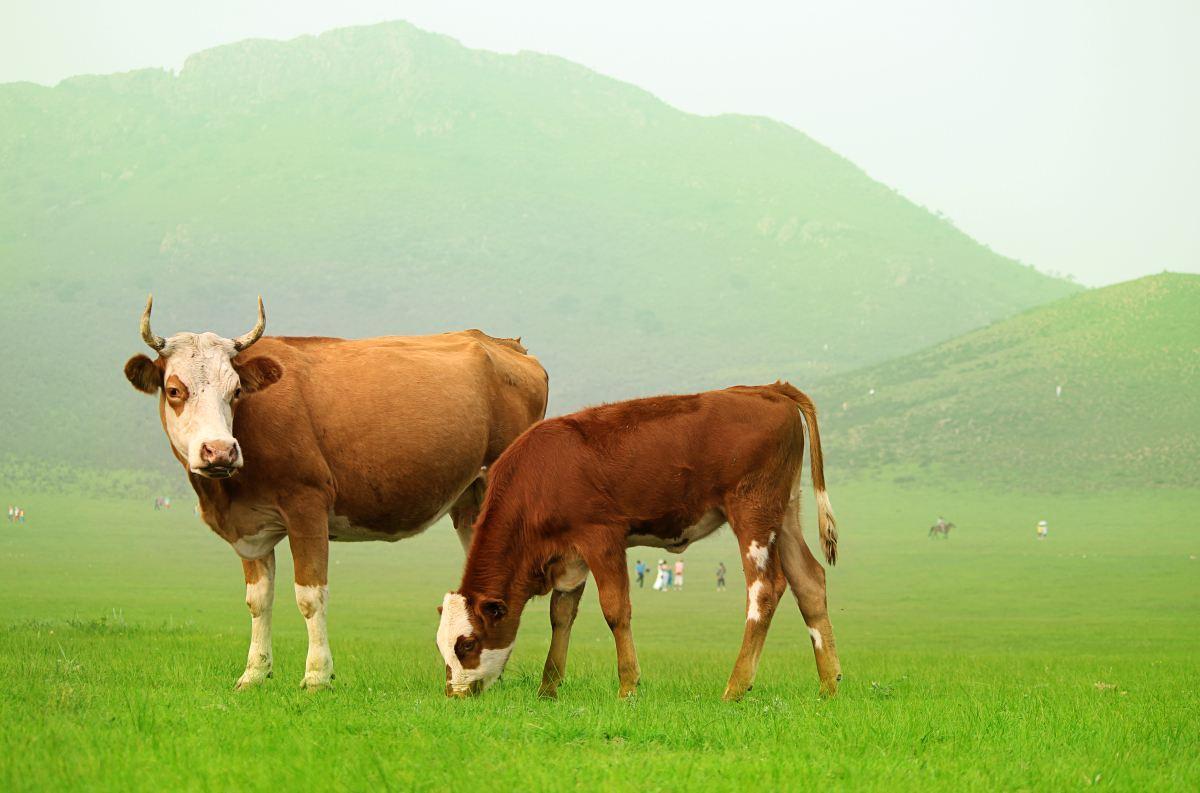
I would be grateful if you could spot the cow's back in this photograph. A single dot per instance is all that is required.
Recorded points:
(672, 457)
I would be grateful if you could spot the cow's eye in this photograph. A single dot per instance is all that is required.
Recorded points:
(237, 393)
(468, 645)
(173, 393)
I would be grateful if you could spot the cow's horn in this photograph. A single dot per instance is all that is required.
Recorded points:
(242, 342)
(156, 342)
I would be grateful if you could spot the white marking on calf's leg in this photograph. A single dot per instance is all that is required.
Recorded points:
(312, 602)
(752, 610)
(759, 554)
(816, 638)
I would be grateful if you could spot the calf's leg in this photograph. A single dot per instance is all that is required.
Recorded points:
(260, 598)
(757, 536)
(806, 577)
(612, 582)
(564, 606)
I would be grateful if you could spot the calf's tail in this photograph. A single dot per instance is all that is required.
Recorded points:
(825, 520)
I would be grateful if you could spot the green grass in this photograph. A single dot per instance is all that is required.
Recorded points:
(971, 663)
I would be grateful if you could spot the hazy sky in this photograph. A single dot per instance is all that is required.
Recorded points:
(1060, 133)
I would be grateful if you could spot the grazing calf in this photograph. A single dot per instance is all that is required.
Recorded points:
(573, 492)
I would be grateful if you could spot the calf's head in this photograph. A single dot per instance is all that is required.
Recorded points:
(475, 638)
(199, 385)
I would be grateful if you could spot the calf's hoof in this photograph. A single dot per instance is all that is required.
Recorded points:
(547, 692)
(734, 693)
(251, 678)
(627, 691)
(829, 686)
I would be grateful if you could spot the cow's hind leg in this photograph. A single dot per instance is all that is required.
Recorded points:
(564, 606)
(466, 510)
(757, 534)
(806, 577)
(260, 598)
(612, 582)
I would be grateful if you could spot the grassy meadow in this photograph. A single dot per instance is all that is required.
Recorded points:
(989, 660)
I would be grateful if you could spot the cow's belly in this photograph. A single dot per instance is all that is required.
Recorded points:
(343, 528)
(676, 542)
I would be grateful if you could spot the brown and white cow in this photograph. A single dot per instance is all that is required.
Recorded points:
(572, 493)
(319, 439)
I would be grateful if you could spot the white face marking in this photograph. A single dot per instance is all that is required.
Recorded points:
(203, 363)
(752, 610)
(759, 554)
(816, 637)
(455, 622)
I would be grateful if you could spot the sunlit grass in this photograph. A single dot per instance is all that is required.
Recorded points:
(987, 661)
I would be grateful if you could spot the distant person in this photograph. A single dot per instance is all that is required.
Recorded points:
(640, 570)
(1042, 529)
(166, 502)
(660, 582)
(1058, 392)
(12, 513)
(679, 574)
(721, 577)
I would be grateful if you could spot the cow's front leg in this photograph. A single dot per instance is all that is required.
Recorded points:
(260, 597)
(311, 557)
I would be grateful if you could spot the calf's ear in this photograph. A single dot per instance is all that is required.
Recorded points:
(144, 374)
(492, 609)
(259, 373)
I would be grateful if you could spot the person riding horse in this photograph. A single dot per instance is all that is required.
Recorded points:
(942, 527)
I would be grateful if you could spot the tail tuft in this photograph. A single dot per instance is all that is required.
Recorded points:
(828, 527)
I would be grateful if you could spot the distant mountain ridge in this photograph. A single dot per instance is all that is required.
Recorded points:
(383, 180)
(1095, 391)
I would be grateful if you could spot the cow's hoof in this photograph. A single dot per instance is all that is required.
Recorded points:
(627, 692)
(251, 678)
(829, 687)
(316, 681)
(548, 692)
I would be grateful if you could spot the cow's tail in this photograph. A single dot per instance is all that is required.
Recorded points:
(825, 520)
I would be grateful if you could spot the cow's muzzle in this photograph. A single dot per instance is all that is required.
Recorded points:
(473, 689)
(219, 459)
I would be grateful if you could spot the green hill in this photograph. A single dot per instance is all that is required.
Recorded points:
(387, 180)
(984, 406)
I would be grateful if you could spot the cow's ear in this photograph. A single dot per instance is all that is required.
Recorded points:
(492, 609)
(144, 374)
(258, 373)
